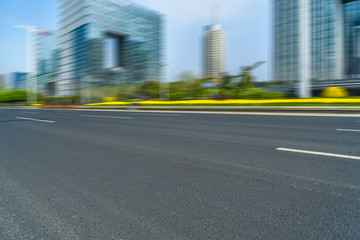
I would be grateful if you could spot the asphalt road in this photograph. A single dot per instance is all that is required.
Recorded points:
(134, 175)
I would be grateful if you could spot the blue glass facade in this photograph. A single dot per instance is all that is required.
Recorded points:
(286, 40)
(86, 27)
(46, 52)
(46, 61)
(352, 38)
(331, 45)
(324, 50)
(18, 80)
(80, 51)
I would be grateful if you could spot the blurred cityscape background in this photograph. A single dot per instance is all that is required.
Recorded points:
(114, 50)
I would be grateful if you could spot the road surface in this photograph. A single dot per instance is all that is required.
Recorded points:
(68, 174)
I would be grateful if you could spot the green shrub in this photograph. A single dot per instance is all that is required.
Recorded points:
(260, 94)
(13, 96)
(176, 96)
(61, 100)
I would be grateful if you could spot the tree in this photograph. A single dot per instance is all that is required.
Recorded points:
(186, 77)
(226, 82)
(246, 76)
(189, 85)
(196, 88)
(177, 90)
(150, 89)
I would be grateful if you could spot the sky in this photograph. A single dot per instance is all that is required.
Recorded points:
(247, 23)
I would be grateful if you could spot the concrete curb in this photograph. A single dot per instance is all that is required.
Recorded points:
(336, 110)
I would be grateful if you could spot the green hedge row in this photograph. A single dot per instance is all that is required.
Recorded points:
(61, 100)
(21, 96)
(260, 94)
(13, 96)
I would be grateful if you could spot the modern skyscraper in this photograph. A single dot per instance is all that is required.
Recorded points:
(46, 52)
(111, 41)
(316, 39)
(352, 38)
(46, 58)
(213, 52)
(17, 80)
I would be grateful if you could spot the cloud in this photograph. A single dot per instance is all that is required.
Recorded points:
(185, 12)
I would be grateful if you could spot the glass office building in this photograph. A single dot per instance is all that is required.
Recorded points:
(109, 42)
(286, 40)
(315, 39)
(46, 52)
(18, 80)
(352, 38)
(46, 55)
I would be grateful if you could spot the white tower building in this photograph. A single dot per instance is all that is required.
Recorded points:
(214, 52)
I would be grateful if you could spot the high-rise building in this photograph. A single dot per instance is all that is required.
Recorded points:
(351, 38)
(17, 80)
(213, 52)
(316, 39)
(46, 58)
(46, 52)
(108, 41)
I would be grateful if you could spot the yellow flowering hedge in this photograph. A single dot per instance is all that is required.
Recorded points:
(334, 92)
(109, 99)
(236, 102)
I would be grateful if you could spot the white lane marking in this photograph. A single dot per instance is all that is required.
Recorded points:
(348, 130)
(318, 153)
(36, 120)
(95, 116)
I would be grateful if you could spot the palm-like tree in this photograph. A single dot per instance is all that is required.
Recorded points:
(246, 76)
